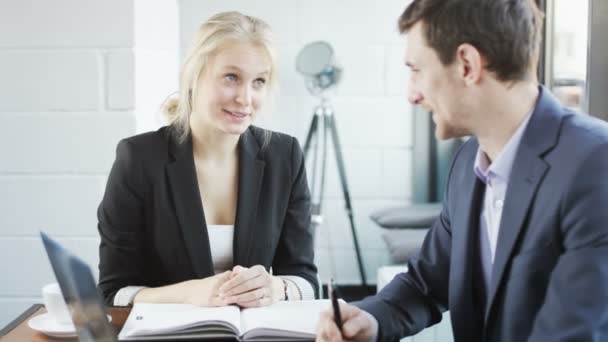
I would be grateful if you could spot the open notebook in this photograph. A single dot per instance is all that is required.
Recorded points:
(284, 321)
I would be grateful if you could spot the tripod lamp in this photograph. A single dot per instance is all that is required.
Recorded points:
(315, 62)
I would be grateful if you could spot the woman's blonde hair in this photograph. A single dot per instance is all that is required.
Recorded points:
(216, 33)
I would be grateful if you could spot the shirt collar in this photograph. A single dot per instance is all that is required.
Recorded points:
(502, 165)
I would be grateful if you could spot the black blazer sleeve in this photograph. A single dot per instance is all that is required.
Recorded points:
(121, 219)
(295, 250)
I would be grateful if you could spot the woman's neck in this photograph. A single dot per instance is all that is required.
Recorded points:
(213, 145)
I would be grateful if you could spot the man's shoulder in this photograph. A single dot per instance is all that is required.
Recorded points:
(582, 147)
(585, 129)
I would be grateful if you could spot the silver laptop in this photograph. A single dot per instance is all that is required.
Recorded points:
(80, 293)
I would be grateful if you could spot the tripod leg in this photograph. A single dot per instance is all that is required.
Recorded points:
(331, 123)
(317, 197)
(311, 131)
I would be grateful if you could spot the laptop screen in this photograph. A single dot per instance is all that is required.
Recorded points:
(78, 287)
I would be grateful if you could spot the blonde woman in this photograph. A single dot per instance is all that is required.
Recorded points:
(203, 210)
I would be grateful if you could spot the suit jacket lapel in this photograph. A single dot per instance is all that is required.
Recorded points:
(189, 209)
(251, 174)
(523, 184)
(526, 175)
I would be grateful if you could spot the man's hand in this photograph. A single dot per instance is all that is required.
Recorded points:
(357, 325)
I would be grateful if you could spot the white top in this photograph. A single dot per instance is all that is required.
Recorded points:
(221, 238)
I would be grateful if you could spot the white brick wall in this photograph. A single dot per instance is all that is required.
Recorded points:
(120, 80)
(61, 142)
(30, 254)
(63, 205)
(279, 14)
(361, 22)
(156, 59)
(58, 80)
(66, 98)
(66, 23)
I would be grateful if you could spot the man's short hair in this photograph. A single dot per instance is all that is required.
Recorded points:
(506, 32)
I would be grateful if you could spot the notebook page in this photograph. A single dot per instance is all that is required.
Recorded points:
(155, 319)
(299, 318)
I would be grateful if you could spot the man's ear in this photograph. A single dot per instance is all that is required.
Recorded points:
(470, 63)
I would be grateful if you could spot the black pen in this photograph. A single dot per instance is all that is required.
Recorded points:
(334, 303)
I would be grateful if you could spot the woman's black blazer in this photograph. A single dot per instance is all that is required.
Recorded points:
(151, 220)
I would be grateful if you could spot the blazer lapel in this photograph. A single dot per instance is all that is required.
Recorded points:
(463, 244)
(523, 184)
(251, 174)
(526, 175)
(188, 207)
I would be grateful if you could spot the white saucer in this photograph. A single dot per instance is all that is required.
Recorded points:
(48, 326)
(44, 324)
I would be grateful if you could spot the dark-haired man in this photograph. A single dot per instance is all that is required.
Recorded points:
(520, 250)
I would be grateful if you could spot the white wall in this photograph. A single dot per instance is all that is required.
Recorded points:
(156, 59)
(373, 117)
(78, 75)
(66, 98)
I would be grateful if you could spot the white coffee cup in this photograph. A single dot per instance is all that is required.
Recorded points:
(55, 304)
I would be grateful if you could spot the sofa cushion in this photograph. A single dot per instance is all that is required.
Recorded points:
(411, 217)
(402, 244)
